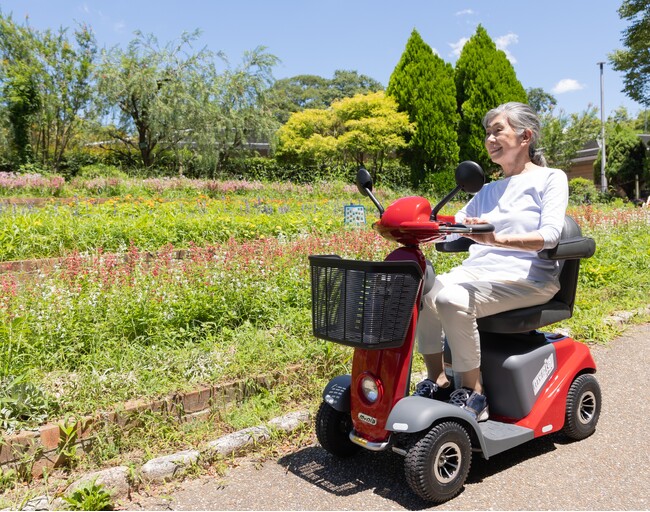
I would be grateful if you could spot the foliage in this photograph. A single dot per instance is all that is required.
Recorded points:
(582, 191)
(626, 158)
(234, 113)
(541, 101)
(60, 229)
(289, 95)
(19, 75)
(365, 129)
(22, 402)
(48, 86)
(423, 85)
(562, 136)
(634, 61)
(152, 92)
(484, 79)
(92, 496)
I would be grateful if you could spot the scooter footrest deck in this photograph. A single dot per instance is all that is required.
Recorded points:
(500, 437)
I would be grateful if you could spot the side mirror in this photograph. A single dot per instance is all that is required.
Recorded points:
(364, 181)
(364, 184)
(470, 177)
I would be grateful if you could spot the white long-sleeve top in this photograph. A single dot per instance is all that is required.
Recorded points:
(524, 203)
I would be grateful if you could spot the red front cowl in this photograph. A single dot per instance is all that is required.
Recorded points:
(406, 221)
(390, 366)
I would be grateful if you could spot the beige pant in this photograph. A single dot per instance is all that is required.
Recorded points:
(461, 296)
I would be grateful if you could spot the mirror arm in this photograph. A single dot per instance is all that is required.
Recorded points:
(443, 202)
(375, 201)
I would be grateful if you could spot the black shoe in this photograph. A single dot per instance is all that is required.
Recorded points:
(429, 389)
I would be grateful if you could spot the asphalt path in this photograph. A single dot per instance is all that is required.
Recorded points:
(608, 471)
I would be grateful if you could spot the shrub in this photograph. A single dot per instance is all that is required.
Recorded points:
(582, 191)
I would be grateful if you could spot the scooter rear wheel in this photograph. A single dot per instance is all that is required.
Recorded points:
(582, 407)
(437, 465)
(333, 431)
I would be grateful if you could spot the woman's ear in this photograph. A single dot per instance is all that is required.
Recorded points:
(527, 135)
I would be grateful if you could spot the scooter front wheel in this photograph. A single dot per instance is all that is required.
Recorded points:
(333, 431)
(437, 465)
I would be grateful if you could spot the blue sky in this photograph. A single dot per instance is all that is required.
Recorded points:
(552, 44)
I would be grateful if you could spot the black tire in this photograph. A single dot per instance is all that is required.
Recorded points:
(333, 430)
(437, 465)
(583, 404)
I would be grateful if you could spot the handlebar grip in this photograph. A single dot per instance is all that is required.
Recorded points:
(480, 228)
(466, 229)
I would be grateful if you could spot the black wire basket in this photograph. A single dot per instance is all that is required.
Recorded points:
(363, 304)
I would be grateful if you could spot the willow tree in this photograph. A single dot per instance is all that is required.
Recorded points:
(485, 78)
(150, 92)
(423, 86)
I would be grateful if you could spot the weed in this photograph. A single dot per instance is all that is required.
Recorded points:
(91, 496)
(8, 479)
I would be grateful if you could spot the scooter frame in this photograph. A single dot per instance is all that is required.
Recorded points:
(549, 384)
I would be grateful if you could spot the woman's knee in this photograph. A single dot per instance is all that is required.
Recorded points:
(452, 299)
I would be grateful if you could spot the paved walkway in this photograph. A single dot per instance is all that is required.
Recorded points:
(608, 471)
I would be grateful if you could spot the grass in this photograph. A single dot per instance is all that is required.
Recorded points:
(97, 329)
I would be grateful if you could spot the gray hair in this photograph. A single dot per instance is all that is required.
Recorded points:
(521, 117)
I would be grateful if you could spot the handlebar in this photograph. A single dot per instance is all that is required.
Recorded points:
(467, 229)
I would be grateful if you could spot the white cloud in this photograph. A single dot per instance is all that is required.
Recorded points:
(503, 42)
(567, 85)
(119, 26)
(464, 12)
(457, 47)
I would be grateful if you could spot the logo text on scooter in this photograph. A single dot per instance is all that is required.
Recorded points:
(367, 419)
(544, 373)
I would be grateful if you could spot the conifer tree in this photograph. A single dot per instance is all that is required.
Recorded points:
(485, 78)
(423, 85)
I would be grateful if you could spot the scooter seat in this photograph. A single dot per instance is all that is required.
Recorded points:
(525, 319)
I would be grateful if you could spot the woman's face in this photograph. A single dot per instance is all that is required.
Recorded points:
(503, 144)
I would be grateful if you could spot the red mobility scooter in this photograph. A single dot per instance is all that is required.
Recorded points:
(537, 382)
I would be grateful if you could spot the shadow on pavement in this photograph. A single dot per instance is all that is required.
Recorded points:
(383, 473)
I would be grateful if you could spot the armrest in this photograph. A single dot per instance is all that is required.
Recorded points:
(574, 248)
(459, 245)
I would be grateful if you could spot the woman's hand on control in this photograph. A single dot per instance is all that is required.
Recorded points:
(483, 238)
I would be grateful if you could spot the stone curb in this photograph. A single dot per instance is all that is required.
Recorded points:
(117, 480)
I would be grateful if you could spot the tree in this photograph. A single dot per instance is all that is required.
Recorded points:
(67, 90)
(634, 61)
(289, 95)
(236, 110)
(364, 129)
(540, 101)
(626, 159)
(423, 85)
(484, 79)
(152, 94)
(372, 128)
(19, 76)
(47, 87)
(562, 136)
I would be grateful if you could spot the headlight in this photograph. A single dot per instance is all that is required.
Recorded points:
(370, 388)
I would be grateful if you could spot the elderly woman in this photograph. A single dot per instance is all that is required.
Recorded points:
(503, 271)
